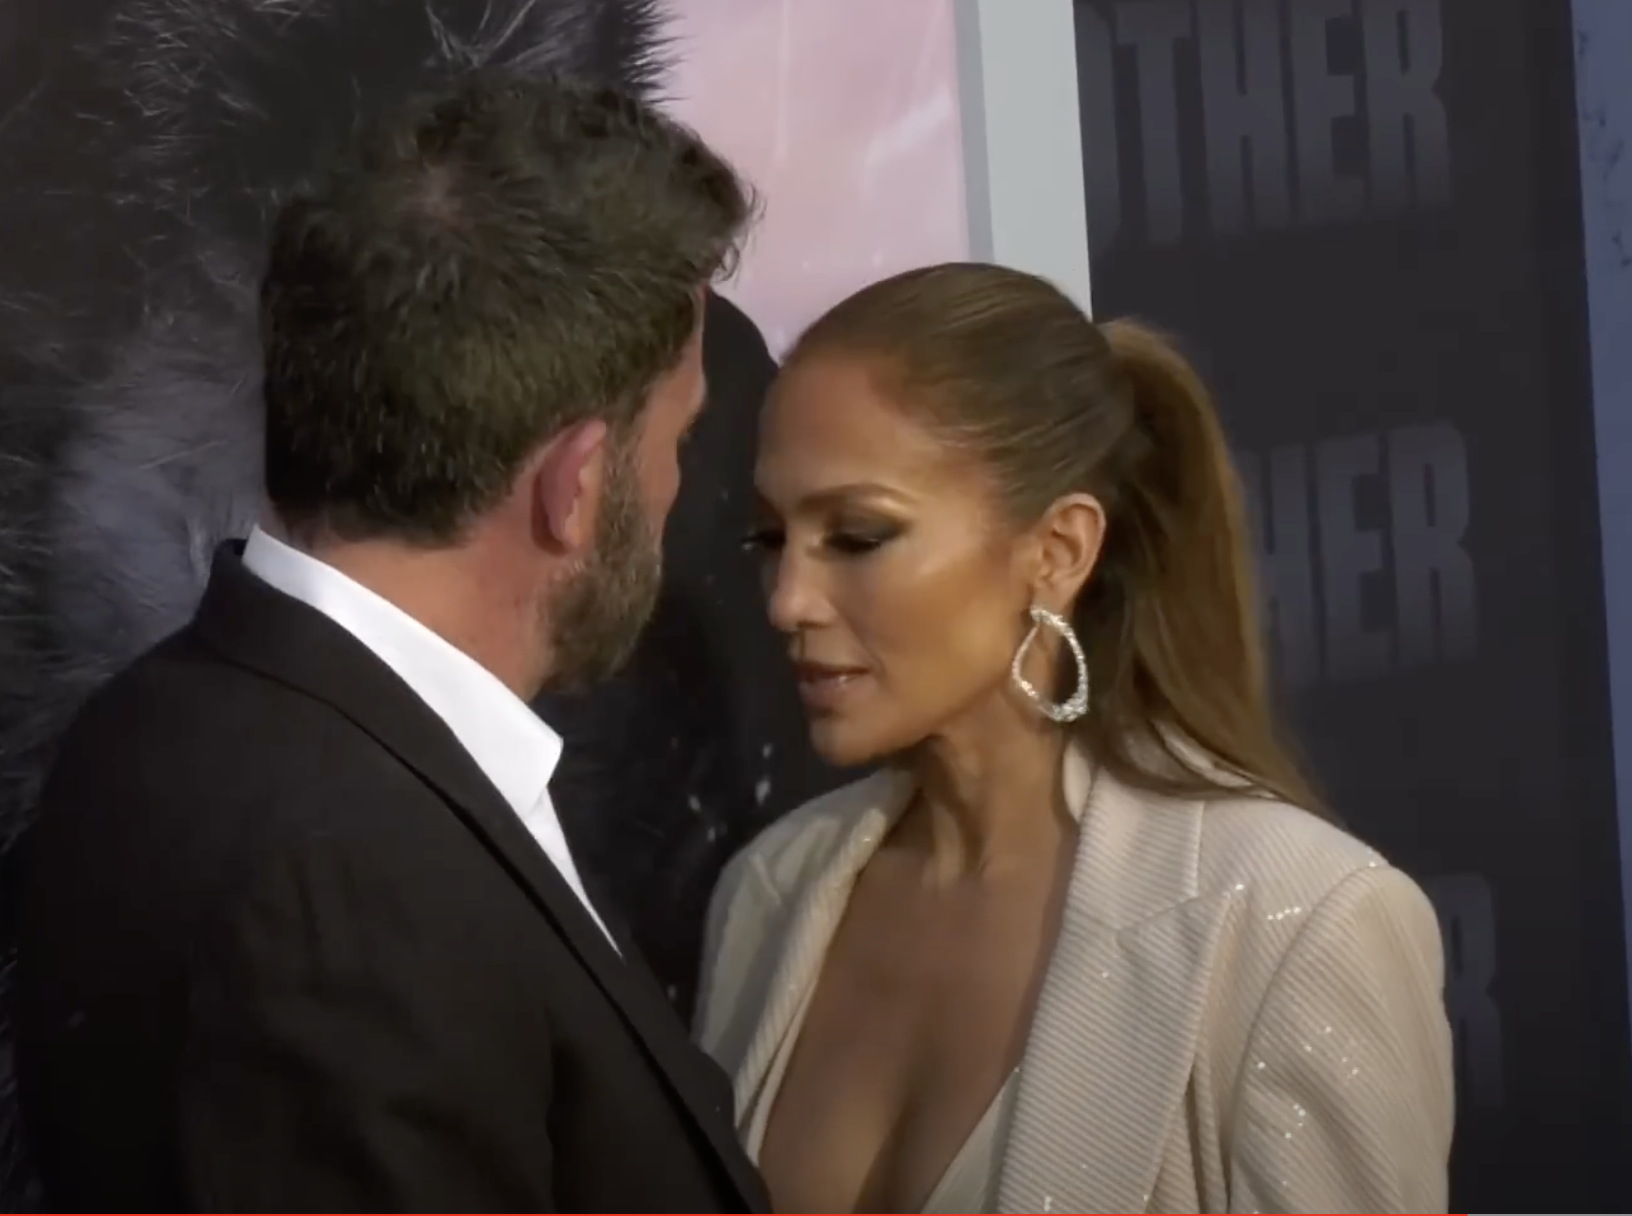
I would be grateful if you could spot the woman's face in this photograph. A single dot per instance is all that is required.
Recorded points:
(889, 566)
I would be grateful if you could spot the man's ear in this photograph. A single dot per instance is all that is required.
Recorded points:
(569, 479)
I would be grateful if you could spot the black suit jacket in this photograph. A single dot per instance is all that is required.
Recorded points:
(286, 948)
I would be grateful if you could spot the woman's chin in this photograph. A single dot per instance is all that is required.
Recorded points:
(846, 743)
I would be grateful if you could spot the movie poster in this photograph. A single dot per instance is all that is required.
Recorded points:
(845, 114)
(145, 144)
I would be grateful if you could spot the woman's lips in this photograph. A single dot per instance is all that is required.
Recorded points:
(823, 686)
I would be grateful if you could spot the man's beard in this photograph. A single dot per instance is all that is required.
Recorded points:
(596, 618)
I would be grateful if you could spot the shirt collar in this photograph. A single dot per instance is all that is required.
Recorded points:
(511, 744)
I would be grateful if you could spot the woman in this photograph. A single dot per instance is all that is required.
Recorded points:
(1082, 945)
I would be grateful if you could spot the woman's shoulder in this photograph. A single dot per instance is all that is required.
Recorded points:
(1280, 863)
(1265, 838)
(1238, 838)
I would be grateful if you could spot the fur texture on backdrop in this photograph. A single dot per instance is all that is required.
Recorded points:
(143, 146)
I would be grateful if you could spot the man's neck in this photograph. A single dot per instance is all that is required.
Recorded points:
(454, 594)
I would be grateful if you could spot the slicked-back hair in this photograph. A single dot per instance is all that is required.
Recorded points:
(474, 275)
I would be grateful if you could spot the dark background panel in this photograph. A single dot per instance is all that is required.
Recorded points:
(1363, 217)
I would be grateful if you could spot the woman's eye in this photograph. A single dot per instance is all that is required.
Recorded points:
(845, 544)
(854, 544)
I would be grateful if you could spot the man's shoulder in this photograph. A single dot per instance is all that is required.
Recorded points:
(179, 683)
(182, 696)
(218, 760)
(190, 795)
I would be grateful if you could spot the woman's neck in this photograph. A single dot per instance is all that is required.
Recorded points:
(989, 796)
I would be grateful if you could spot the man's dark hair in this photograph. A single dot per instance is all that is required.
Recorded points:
(473, 276)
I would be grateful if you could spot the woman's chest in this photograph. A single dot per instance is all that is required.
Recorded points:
(917, 1019)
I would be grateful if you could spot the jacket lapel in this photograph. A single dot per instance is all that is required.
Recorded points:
(870, 809)
(1109, 1056)
(287, 641)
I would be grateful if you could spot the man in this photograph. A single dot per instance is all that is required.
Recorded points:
(303, 932)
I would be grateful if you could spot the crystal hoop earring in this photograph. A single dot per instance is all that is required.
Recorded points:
(1076, 705)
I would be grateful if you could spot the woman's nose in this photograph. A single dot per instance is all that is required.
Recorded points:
(793, 597)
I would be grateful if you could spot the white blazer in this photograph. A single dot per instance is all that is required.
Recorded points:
(1242, 1013)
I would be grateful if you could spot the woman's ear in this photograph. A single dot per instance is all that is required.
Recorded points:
(1069, 538)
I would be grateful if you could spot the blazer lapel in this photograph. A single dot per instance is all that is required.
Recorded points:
(1108, 1059)
(258, 627)
(812, 922)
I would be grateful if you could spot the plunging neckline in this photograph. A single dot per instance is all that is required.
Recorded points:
(969, 1182)
(798, 971)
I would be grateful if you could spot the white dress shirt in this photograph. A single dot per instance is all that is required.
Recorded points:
(510, 743)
